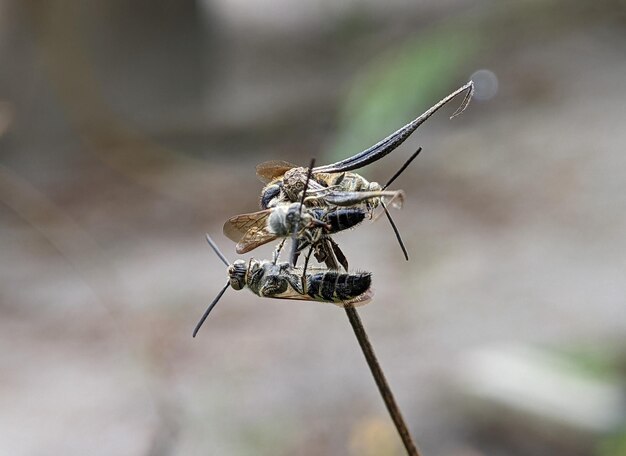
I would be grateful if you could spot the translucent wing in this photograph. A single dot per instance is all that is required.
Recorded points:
(358, 301)
(254, 237)
(239, 225)
(249, 231)
(270, 170)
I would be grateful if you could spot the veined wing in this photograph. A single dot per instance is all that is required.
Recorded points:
(270, 170)
(358, 301)
(237, 226)
(249, 231)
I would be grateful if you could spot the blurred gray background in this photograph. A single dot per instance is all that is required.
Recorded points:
(128, 129)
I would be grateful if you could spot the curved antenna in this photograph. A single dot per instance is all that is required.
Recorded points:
(396, 232)
(206, 313)
(391, 142)
(393, 224)
(294, 234)
(216, 249)
(402, 168)
(210, 308)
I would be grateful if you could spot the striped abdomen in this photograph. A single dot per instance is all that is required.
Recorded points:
(333, 286)
(341, 219)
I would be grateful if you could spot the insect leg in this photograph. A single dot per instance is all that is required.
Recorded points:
(294, 235)
(306, 265)
(277, 250)
(341, 258)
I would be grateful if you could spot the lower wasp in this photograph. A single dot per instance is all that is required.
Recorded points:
(268, 279)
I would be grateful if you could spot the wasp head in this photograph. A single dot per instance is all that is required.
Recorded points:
(237, 274)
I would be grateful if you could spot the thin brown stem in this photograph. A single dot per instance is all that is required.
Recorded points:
(381, 381)
(377, 371)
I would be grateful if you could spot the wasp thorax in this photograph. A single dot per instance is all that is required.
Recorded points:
(293, 182)
(283, 219)
(237, 274)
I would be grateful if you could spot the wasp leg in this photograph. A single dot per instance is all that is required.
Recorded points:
(277, 250)
(354, 198)
(324, 253)
(306, 262)
(341, 258)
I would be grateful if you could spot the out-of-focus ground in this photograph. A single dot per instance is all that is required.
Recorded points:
(127, 132)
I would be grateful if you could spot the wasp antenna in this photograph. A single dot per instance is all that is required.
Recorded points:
(209, 309)
(216, 249)
(397, 233)
(306, 182)
(401, 170)
(466, 101)
(294, 234)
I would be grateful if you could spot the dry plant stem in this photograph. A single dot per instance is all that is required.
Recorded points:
(377, 371)
(381, 381)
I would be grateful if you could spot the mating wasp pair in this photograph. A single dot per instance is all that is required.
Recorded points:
(310, 205)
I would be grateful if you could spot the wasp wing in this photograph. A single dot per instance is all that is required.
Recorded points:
(358, 301)
(255, 237)
(249, 231)
(237, 226)
(270, 170)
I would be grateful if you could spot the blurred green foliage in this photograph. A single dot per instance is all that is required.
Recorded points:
(401, 84)
(600, 363)
(613, 446)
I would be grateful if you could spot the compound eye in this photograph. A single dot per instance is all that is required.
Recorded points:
(236, 283)
(269, 193)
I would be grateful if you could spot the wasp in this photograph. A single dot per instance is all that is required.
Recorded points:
(282, 281)
(268, 279)
(285, 181)
(312, 225)
(346, 190)
(258, 228)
